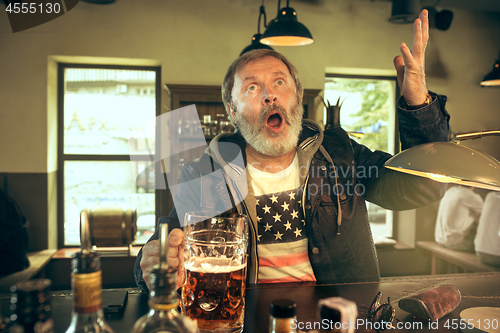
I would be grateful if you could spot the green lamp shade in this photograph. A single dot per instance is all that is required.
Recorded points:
(285, 30)
(449, 163)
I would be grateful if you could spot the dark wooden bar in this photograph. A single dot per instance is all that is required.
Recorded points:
(477, 290)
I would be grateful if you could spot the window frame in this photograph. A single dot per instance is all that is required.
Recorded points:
(62, 157)
(396, 143)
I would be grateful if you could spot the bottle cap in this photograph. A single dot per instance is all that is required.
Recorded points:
(83, 263)
(283, 308)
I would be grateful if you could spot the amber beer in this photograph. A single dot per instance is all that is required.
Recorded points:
(214, 295)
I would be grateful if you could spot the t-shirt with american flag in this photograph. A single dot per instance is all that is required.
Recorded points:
(282, 239)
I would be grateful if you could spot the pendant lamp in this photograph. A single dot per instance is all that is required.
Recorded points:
(404, 11)
(492, 79)
(286, 30)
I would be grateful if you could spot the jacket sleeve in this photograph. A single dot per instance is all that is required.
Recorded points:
(395, 190)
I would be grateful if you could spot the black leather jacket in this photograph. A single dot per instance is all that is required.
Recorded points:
(340, 249)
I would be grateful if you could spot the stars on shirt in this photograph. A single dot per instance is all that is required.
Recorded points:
(288, 225)
(277, 217)
(280, 217)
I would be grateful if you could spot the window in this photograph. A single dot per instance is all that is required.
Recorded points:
(100, 107)
(368, 113)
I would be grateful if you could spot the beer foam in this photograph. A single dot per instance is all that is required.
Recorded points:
(212, 265)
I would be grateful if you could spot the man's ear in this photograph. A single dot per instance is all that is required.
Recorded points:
(231, 112)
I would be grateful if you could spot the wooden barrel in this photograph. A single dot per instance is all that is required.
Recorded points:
(112, 226)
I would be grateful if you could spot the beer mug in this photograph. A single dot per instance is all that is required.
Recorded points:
(215, 259)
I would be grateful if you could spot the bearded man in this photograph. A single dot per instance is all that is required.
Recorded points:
(292, 166)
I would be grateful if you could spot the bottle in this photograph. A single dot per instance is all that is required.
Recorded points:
(207, 122)
(86, 284)
(220, 122)
(30, 305)
(282, 317)
(163, 315)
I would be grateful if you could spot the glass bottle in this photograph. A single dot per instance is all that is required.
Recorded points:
(86, 284)
(207, 122)
(220, 122)
(282, 317)
(30, 304)
(163, 315)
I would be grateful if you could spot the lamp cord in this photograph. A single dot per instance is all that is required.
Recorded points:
(262, 11)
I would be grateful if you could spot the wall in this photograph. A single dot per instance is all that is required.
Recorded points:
(195, 41)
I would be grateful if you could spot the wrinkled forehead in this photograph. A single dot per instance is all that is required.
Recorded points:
(268, 65)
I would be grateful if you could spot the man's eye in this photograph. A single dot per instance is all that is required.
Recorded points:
(252, 87)
(280, 82)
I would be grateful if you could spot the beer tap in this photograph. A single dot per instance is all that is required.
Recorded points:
(85, 239)
(163, 246)
(163, 300)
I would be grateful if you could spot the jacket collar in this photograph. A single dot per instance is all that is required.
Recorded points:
(227, 150)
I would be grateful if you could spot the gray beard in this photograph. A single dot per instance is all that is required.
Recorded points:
(253, 131)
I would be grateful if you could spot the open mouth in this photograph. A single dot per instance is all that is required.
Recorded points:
(275, 121)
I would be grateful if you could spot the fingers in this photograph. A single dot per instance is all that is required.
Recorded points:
(400, 70)
(409, 61)
(420, 37)
(149, 259)
(416, 45)
(151, 248)
(176, 237)
(424, 17)
(176, 248)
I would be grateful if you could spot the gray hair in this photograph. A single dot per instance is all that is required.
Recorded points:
(243, 60)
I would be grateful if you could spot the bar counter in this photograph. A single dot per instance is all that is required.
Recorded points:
(477, 290)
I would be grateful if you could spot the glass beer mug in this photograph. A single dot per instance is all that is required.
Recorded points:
(215, 259)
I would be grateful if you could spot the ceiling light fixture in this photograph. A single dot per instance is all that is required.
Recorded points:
(256, 39)
(286, 30)
(492, 79)
(404, 11)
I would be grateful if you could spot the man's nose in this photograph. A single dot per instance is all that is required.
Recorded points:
(269, 96)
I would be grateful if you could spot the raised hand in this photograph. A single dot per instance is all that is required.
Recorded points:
(410, 67)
